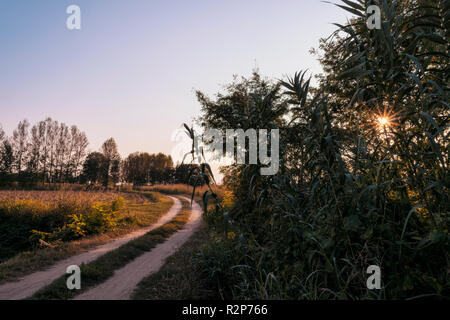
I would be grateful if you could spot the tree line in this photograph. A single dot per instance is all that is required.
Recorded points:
(52, 152)
(138, 169)
(48, 151)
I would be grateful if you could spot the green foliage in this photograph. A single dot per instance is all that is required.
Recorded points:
(351, 192)
(143, 168)
(23, 223)
(100, 218)
(94, 167)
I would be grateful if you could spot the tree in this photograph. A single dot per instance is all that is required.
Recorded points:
(160, 166)
(62, 157)
(80, 146)
(51, 138)
(247, 103)
(112, 161)
(2, 134)
(93, 168)
(136, 168)
(20, 144)
(144, 168)
(36, 144)
(6, 156)
(184, 172)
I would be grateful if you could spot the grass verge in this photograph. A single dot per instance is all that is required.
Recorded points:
(101, 269)
(134, 217)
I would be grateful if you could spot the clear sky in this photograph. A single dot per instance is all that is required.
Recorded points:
(131, 71)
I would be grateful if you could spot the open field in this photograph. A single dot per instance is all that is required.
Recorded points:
(68, 222)
(183, 189)
(78, 197)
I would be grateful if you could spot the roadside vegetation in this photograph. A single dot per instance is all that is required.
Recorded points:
(364, 168)
(39, 228)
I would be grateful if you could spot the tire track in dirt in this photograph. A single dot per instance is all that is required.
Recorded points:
(124, 281)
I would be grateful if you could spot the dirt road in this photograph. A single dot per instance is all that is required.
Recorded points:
(122, 284)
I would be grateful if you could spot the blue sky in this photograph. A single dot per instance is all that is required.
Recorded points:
(131, 71)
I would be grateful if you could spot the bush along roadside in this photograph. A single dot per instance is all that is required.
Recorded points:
(25, 224)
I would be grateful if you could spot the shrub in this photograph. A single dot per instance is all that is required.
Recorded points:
(27, 217)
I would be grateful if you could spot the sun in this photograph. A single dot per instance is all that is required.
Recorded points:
(384, 121)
